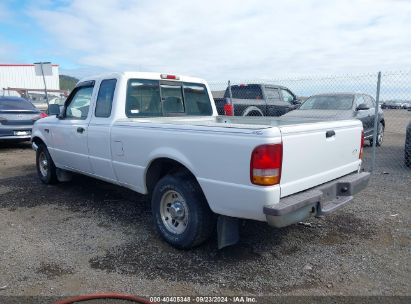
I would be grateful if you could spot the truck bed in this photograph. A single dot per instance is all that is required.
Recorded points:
(238, 122)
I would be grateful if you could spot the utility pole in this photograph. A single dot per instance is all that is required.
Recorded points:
(376, 120)
(44, 78)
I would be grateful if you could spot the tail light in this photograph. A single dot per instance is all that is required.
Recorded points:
(41, 115)
(265, 166)
(362, 145)
(229, 109)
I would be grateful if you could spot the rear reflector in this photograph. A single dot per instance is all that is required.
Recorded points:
(362, 145)
(167, 76)
(229, 109)
(265, 165)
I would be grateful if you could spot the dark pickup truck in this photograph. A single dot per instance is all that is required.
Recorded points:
(258, 100)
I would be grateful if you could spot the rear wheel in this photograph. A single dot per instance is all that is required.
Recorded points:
(46, 169)
(181, 213)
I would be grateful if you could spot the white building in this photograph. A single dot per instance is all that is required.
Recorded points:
(23, 76)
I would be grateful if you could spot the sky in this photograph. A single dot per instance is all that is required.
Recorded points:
(215, 40)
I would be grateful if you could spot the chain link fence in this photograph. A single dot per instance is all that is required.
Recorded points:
(384, 110)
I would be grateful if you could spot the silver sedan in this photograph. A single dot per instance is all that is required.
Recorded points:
(17, 116)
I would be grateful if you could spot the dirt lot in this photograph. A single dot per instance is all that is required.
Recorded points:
(87, 236)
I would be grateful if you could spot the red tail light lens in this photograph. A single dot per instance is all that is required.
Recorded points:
(41, 115)
(229, 109)
(167, 76)
(265, 166)
(362, 145)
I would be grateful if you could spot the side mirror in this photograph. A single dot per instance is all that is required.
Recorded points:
(362, 107)
(54, 109)
(297, 101)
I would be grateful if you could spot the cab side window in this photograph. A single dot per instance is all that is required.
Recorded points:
(369, 101)
(105, 98)
(287, 96)
(272, 94)
(79, 104)
(359, 100)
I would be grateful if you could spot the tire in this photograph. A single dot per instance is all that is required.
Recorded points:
(407, 159)
(181, 212)
(46, 170)
(380, 135)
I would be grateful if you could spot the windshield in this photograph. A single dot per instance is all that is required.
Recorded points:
(244, 91)
(328, 102)
(16, 104)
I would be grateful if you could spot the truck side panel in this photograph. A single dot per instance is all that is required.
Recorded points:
(219, 159)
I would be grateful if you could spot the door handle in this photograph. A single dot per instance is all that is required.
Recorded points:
(80, 130)
(330, 133)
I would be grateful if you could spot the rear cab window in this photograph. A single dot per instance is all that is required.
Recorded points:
(151, 98)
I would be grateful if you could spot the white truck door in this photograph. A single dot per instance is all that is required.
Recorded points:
(99, 147)
(70, 148)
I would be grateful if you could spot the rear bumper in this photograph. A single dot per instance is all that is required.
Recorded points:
(317, 201)
(15, 138)
(12, 132)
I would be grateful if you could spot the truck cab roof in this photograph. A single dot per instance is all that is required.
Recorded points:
(144, 75)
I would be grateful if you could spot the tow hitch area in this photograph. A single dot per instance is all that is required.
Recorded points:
(317, 201)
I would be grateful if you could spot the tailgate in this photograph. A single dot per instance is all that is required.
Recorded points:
(316, 153)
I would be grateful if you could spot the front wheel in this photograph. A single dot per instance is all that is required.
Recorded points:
(380, 135)
(181, 213)
(46, 169)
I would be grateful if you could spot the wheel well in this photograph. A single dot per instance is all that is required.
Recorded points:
(160, 168)
(253, 110)
(38, 141)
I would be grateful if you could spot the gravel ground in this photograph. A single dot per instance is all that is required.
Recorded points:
(89, 236)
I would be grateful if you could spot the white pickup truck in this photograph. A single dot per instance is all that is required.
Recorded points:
(160, 135)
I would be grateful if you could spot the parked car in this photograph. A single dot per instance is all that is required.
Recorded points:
(344, 106)
(404, 105)
(393, 105)
(258, 100)
(17, 116)
(160, 135)
(407, 150)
